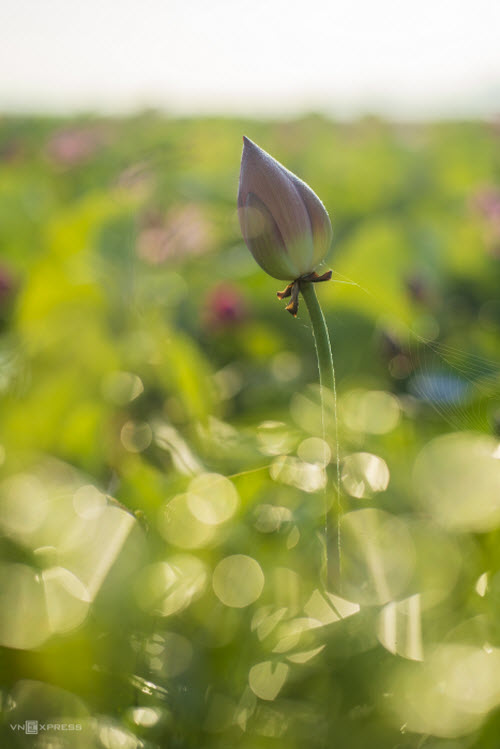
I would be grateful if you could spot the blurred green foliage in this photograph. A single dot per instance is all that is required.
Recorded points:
(171, 571)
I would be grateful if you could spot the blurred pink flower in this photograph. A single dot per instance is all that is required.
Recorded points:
(486, 202)
(225, 307)
(185, 232)
(74, 146)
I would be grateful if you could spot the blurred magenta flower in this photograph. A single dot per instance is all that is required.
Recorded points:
(74, 146)
(224, 307)
(284, 224)
(486, 203)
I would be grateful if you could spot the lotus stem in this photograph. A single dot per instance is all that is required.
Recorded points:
(327, 384)
(321, 337)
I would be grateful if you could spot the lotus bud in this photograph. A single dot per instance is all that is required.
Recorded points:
(284, 223)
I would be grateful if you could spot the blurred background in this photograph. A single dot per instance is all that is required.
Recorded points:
(174, 567)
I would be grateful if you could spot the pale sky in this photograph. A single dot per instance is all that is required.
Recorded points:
(395, 57)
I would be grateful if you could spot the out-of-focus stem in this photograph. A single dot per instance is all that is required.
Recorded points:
(328, 404)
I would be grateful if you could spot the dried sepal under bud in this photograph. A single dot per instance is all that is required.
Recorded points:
(293, 289)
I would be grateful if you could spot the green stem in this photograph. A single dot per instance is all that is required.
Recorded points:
(321, 337)
(327, 383)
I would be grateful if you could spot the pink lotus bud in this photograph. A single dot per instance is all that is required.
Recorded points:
(284, 224)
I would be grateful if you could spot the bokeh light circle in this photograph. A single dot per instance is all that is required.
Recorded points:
(180, 527)
(165, 588)
(378, 556)
(238, 581)
(136, 436)
(372, 411)
(364, 474)
(457, 478)
(212, 498)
